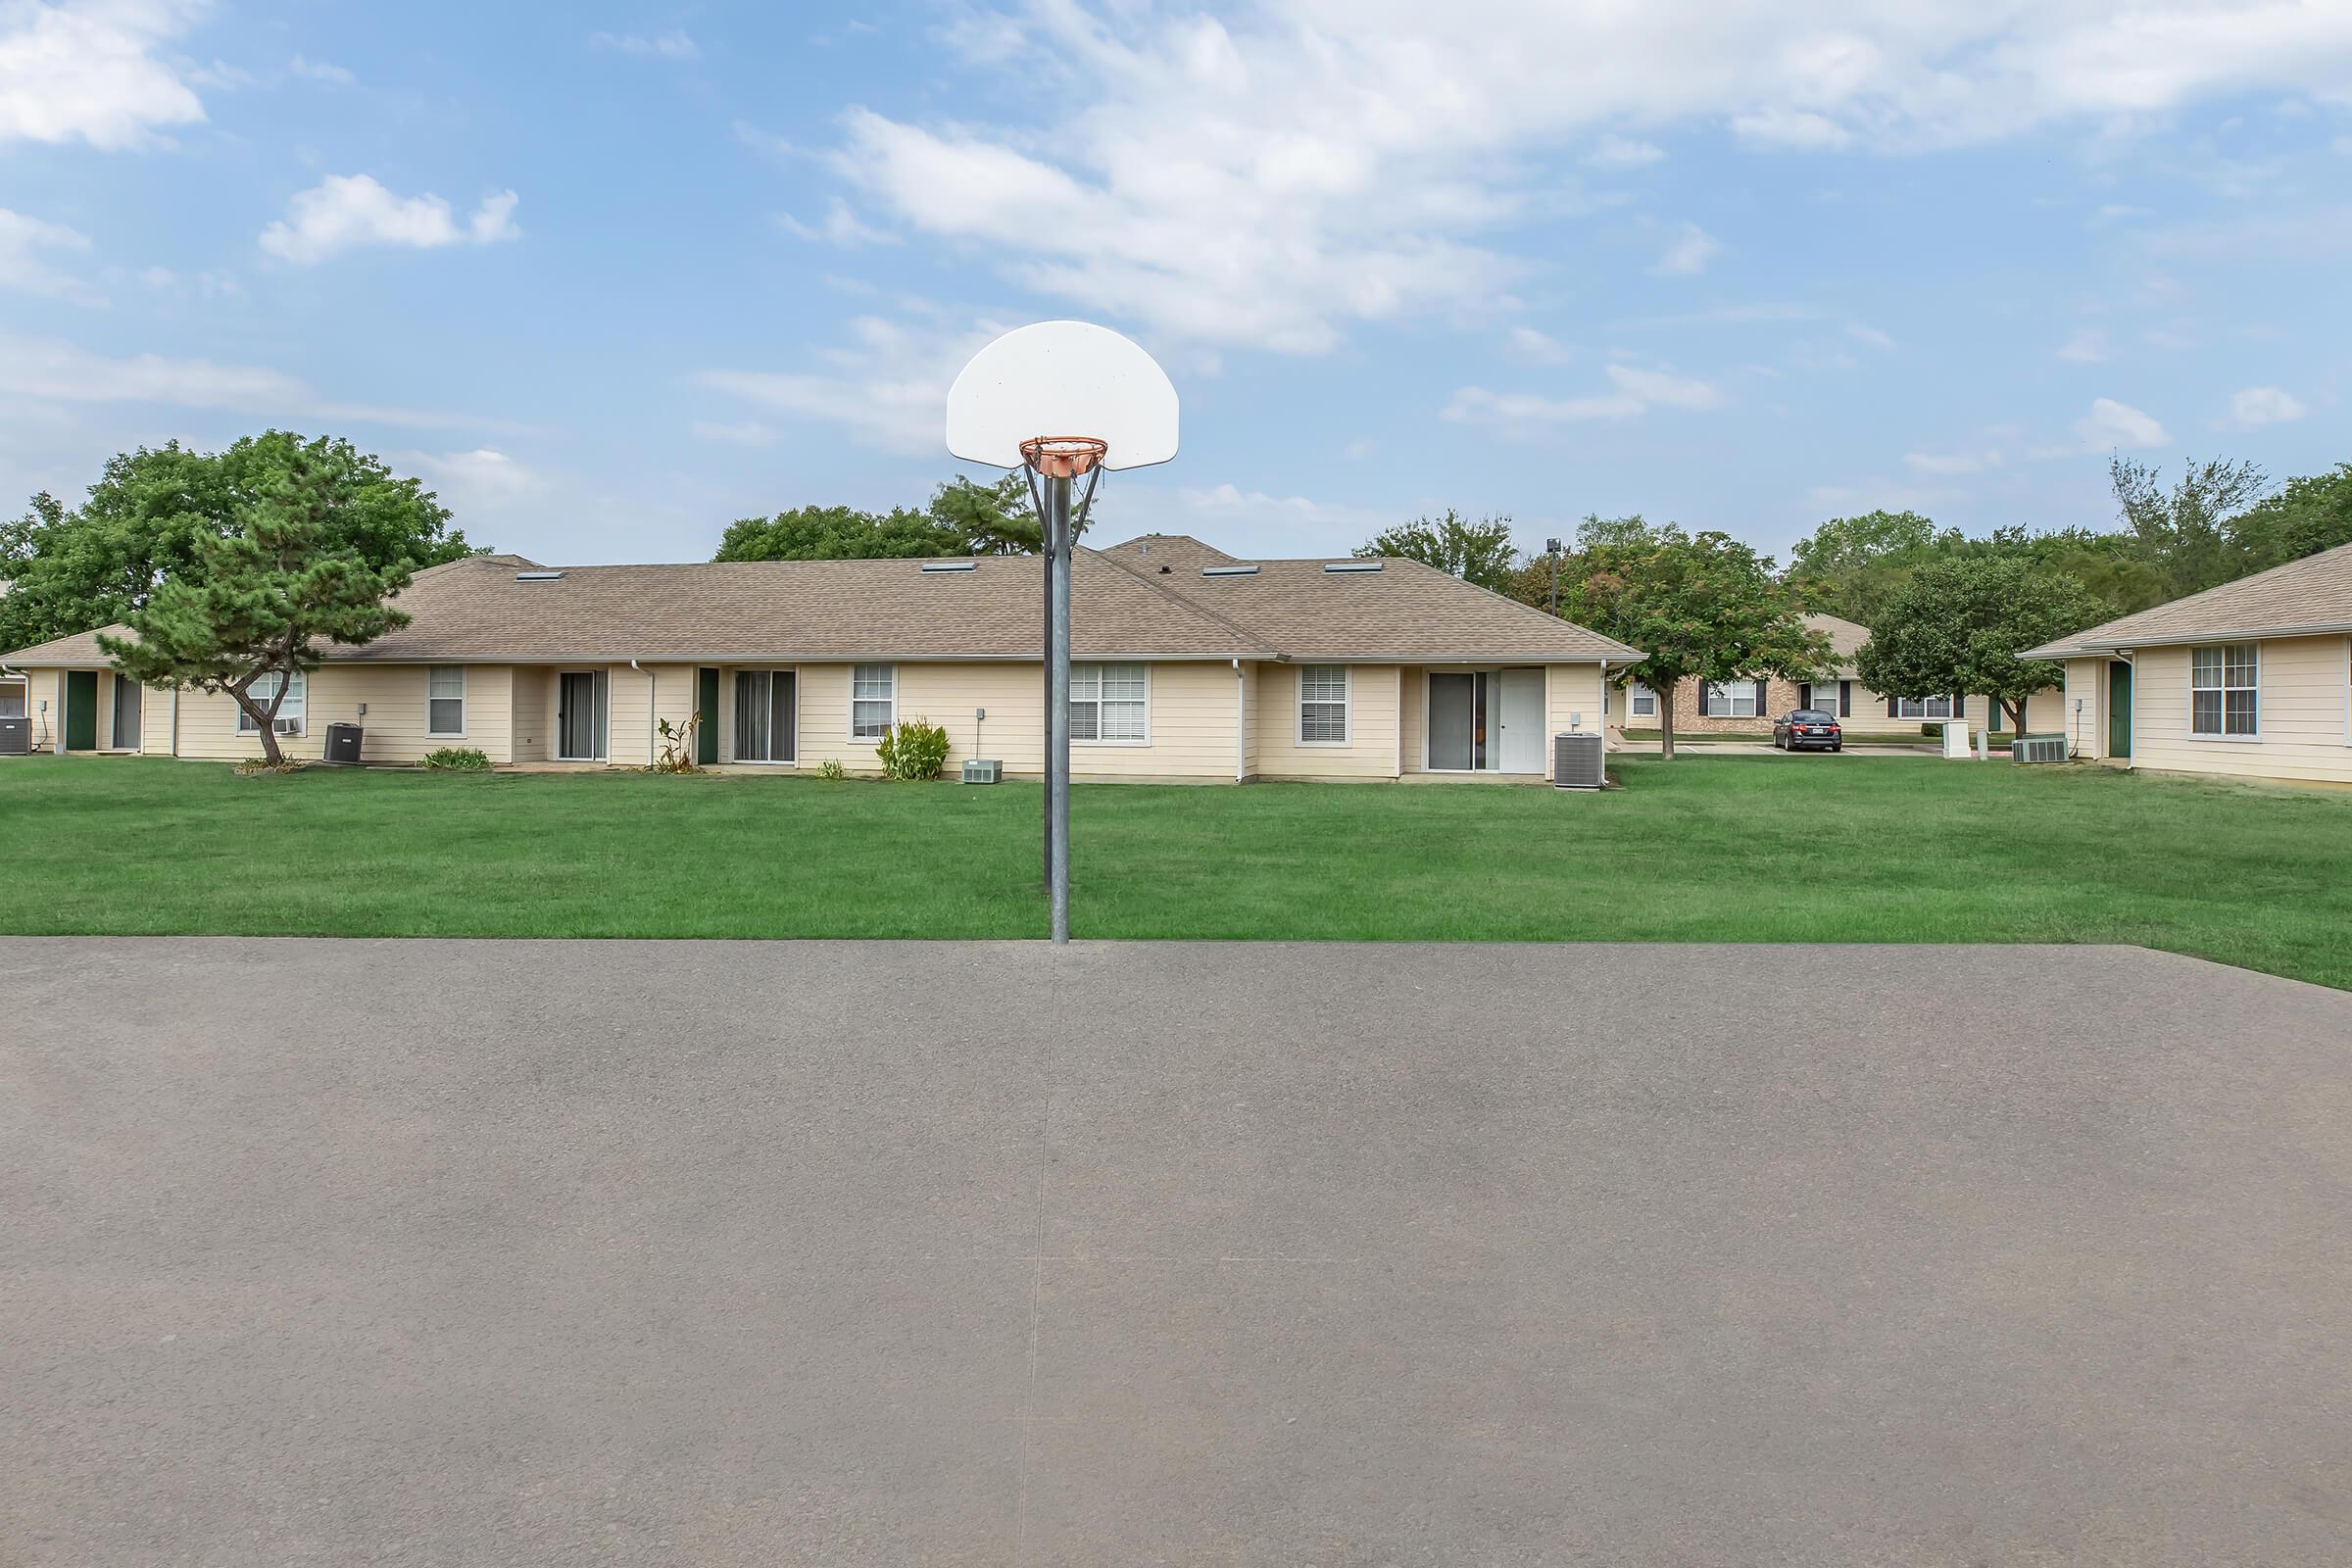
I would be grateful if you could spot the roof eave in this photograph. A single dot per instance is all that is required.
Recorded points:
(2183, 639)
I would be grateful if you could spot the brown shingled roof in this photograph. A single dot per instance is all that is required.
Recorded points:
(2303, 598)
(480, 609)
(1406, 611)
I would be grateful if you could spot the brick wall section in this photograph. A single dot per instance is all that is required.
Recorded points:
(1780, 696)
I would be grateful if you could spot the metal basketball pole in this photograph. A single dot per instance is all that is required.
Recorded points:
(1045, 670)
(1057, 703)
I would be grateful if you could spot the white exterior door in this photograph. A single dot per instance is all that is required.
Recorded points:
(1522, 747)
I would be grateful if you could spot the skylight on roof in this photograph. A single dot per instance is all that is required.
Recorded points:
(538, 576)
(949, 566)
(1351, 565)
(1228, 571)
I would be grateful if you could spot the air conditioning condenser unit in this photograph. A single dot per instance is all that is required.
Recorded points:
(977, 772)
(1579, 760)
(2037, 749)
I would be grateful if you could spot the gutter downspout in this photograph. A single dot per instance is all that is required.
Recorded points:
(1241, 724)
(649, 714)
(2132, 735)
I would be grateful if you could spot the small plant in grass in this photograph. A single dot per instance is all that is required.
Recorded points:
(677, 745)
(914, 749)
(253, 765)
(458, 759)
(831, 768)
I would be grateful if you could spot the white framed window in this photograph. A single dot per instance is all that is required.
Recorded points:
(1923, 707)
(12, 699)
(445, 700)
(874, 701)
(1323, 693)
(2224, 701)
(291, 716)
(1640, 700)
(1111, 703)
(1729, 699)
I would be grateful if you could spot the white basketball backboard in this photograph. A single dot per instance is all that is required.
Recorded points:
(1062, 378)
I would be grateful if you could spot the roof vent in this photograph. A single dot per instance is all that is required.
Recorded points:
(538, 576)
(1351, 565)
(1228, 571)
(949, 566)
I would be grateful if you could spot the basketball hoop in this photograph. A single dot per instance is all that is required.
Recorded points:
(1060, 375)
(1063, 456)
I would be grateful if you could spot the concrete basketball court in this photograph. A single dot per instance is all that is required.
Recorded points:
(501, 1252)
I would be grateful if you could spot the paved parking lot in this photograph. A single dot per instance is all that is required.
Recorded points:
(439, 1252)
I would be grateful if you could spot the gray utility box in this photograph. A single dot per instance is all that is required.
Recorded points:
(2037, 749)
(16, 737)
(1578, 761)
(976, 772)
(343, 744)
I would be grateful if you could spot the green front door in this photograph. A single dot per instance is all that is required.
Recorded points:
(81, 710)
(2118, 708)
(706, 701)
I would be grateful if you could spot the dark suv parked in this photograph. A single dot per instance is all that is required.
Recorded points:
(1808, 729)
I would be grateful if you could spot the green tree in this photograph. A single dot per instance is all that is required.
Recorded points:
(1958, 626)
(148, 514)
(1476, 552)
(293, 564)
(1850, 566)
(838, 534)
(2309, 515)
(997, 518)
(1702, 607)
(2181, 535)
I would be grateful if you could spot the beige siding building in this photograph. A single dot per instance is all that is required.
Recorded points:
(1191, 665)
(1748, 706)
(2252, 679)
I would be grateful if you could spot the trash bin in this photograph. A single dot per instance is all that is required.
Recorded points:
(343, 744)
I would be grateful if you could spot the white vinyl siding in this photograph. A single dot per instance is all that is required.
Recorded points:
(445, 700)
(1923, 707)
(874, 701)
(1111, 703)
(1323, 702)
(292, 719)
(2224, 701)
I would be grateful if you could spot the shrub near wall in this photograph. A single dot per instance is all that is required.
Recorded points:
(916, 749)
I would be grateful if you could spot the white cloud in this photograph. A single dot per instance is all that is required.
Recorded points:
(1863, 332)
(670, 45)
(1276, 175)
(478, 478)
(1948, 464)
(322, 71)
(840, 226)
(2266, 404)
(747, 433)
(886, 389)
(1360, 448)
(1690, 251)
(1538, 348)
(1782, 127)
(85, 70)
(345, 210)
(2087, 346)
(2118, 427)
(48, 368)
(1623, 152)
(24, 267)
(1634, 391)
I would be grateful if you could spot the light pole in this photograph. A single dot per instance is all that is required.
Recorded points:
(1551, 548)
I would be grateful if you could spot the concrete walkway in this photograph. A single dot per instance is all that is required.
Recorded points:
(440, 1252)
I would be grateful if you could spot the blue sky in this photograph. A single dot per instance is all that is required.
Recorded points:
(610, 276)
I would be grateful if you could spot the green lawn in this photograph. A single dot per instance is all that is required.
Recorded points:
(1699, 850)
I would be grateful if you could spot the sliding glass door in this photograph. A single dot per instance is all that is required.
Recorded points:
(580, 715)
(1457, 720)
(765, 714)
